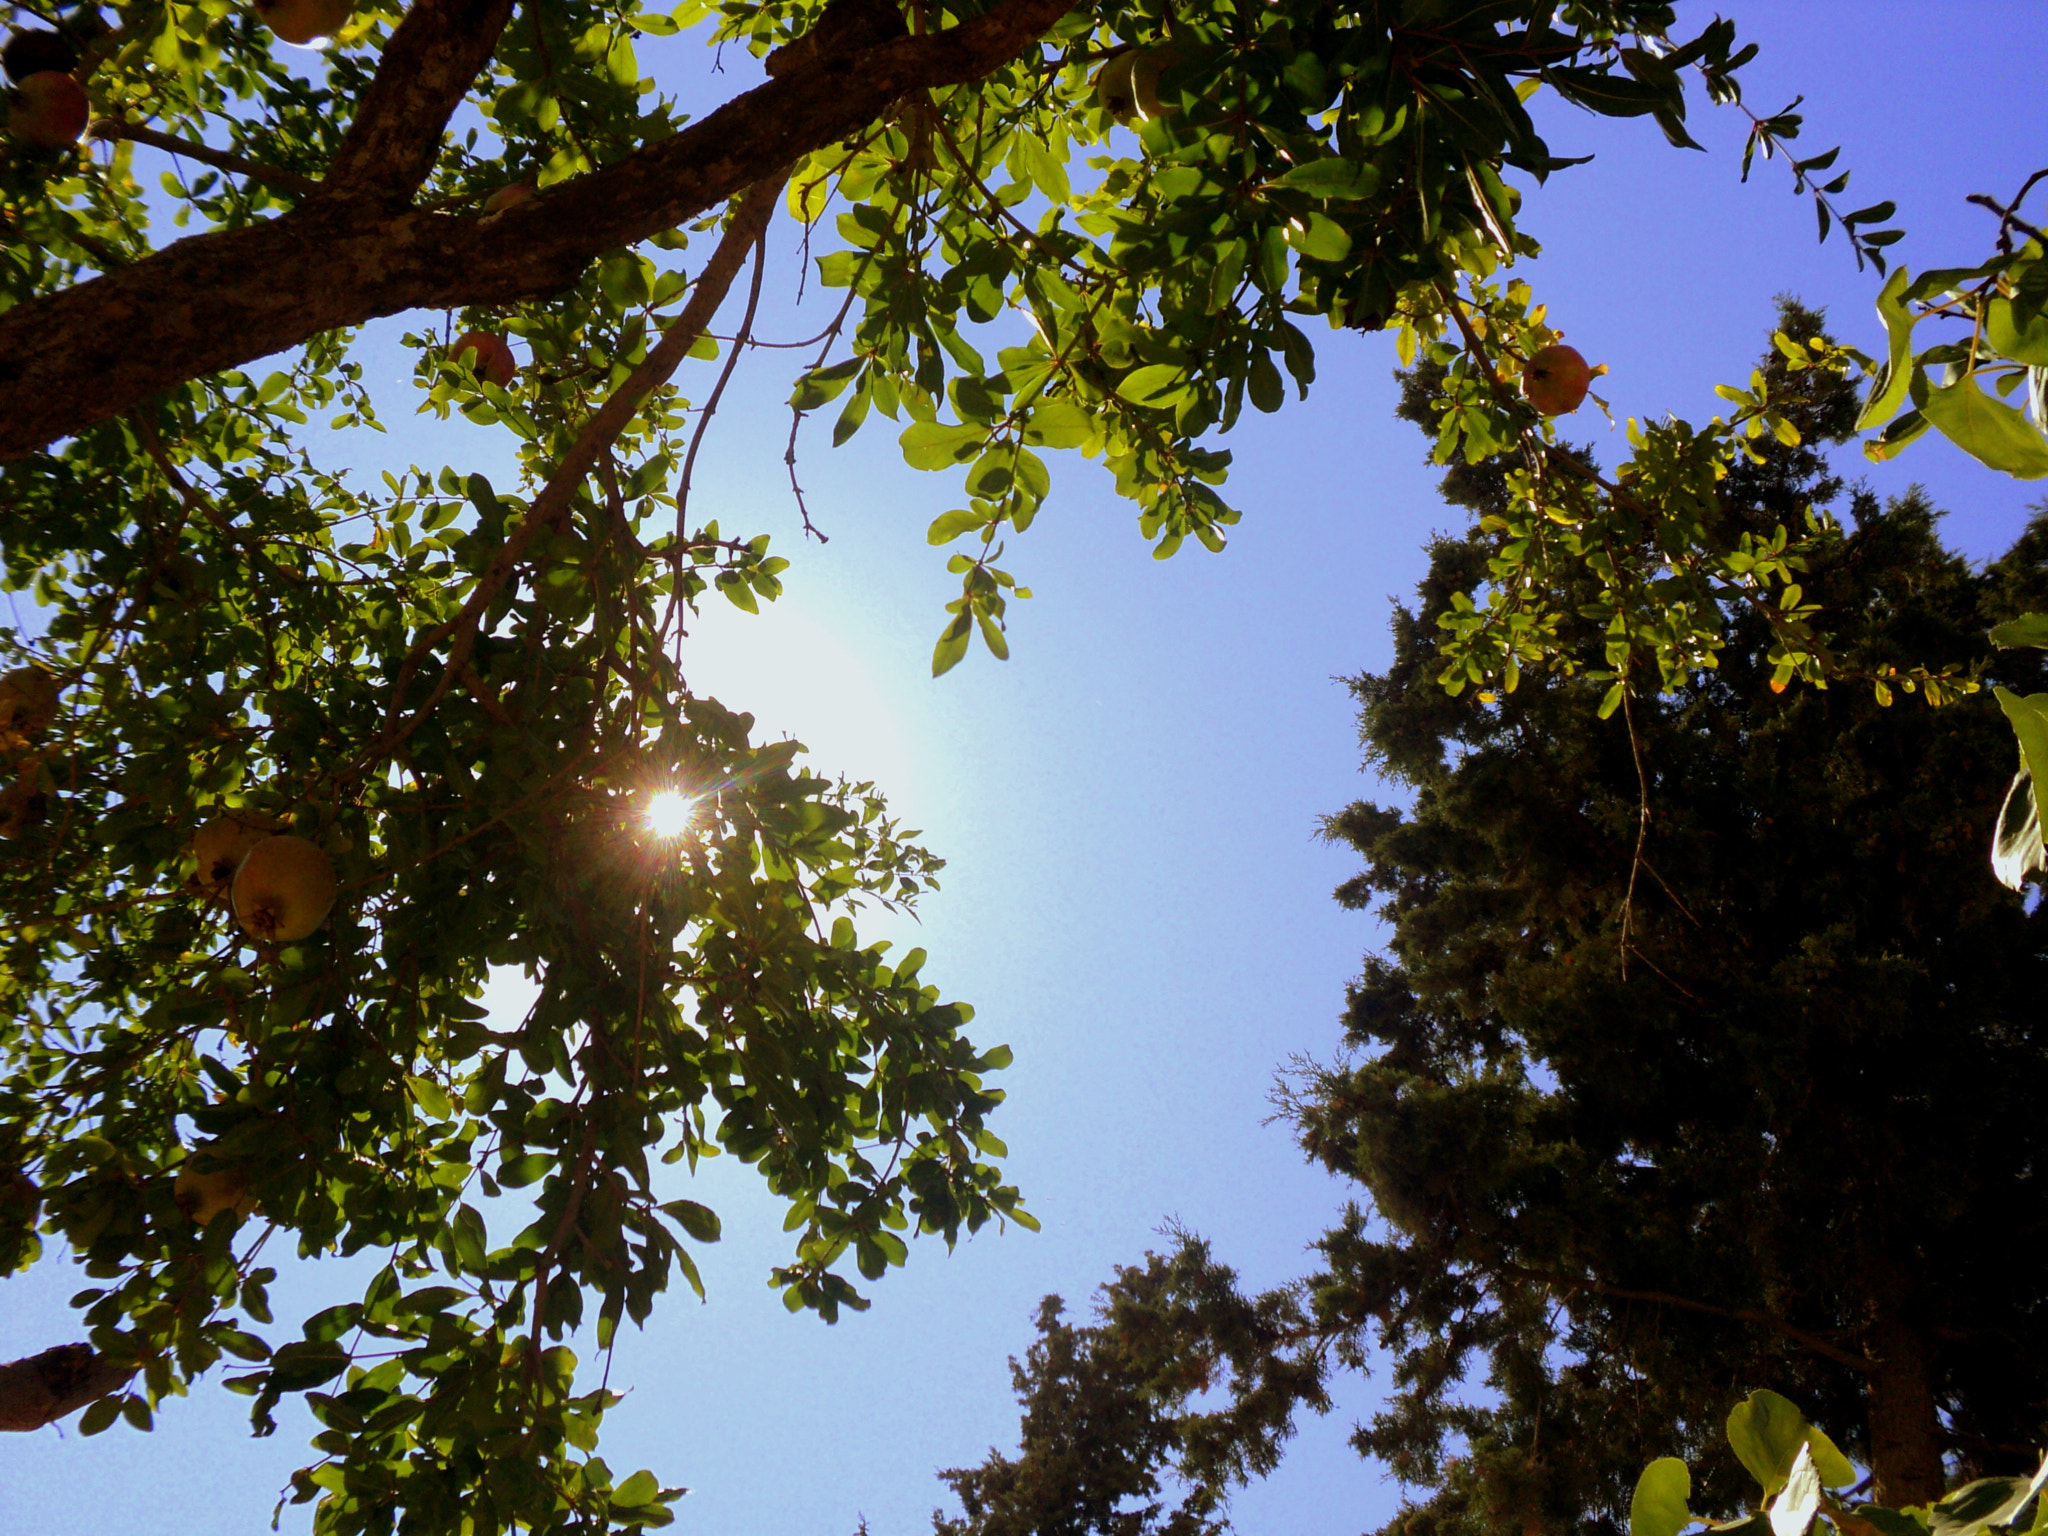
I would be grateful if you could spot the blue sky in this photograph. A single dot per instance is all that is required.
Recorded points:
(1136, 901)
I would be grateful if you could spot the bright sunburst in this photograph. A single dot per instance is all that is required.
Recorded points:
(670, 814)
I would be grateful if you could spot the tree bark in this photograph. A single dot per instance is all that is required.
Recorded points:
(353, 252)
(1905, 1429)
(43, 1388)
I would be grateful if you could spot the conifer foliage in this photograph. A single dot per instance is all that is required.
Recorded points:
(1704, 1051)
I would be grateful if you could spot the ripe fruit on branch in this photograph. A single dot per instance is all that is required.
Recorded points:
(35, 51)
(508, 197)
(304, 21)
(283, 889)
(1128, 85)
(203, 1196)
(1556, 380)
(220, 846)
(50, 110)
(486, 355)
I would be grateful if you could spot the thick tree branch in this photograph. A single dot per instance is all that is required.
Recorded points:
(227, 298)
(428, 66)
(43, 1388)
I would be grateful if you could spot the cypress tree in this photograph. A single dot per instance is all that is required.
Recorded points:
(1705, 1053)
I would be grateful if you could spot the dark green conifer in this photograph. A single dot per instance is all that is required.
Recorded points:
(1705, 1053)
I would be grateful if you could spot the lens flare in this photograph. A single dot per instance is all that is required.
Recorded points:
(670, 814)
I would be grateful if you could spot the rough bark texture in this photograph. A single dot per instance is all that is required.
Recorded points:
(1905, 1431)
(347, 255)
(43, 1388)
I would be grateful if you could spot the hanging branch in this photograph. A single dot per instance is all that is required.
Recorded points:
(551, 506)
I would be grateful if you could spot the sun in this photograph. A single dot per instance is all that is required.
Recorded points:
(670, 814)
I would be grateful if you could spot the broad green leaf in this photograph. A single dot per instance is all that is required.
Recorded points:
(2027, 629)
(936, 444)
(1835, 1469)
(1333, 177)
(637, 1491)
(1659, 1506)
(948, 526)
(1892, 441)
(1319, 236)
(2017, 849)
(1766, 1432)
(1987, 1501)
(1988, 430)
(1898, 325)
(2026, 343)
(700, 1221)
(1059, 423)
(1157, 384)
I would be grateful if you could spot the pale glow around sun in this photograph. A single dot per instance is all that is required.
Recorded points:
(670, 814)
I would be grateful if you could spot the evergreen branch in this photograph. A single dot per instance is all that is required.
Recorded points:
(1799, 1336)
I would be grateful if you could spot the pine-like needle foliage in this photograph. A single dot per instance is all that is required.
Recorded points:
(1181, 1386)
(1653, 1112)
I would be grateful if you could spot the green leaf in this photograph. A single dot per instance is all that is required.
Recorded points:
(1059, 423)
(1157, 384)
(948, 526)
(700, 1221)
(1659, 1506)
(1987, 1501)
(2017, 848)
(1049, 175)
(935, 444)
(2027, 629)
(822, 384)
(1898, 325)
(1766, 1431)
(952, 646)
(1319, 236)
(1333, 177)
(1835, 1469)
(2026, 343)
(637, 1491)
(1989, 430)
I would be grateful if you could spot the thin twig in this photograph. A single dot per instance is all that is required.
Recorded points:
(741, 339)
(797, 412)
(205, 154)
(2009, 217)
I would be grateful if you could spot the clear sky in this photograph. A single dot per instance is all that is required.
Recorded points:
(1136, 901)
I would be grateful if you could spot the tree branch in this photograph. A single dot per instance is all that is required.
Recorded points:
(428, 66)
(345, 256)
(749, 222)
(43, 1388)
(1806, 1340)
(205, 154)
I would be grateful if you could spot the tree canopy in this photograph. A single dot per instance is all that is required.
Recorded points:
(276, 725)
